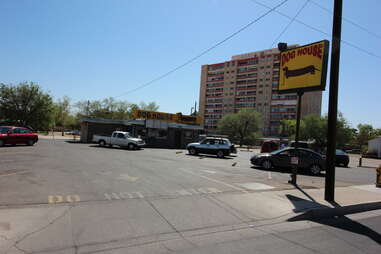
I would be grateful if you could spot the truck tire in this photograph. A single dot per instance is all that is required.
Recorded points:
(102, 142)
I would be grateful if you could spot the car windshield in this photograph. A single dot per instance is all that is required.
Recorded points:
(340, 152)
(279, 151)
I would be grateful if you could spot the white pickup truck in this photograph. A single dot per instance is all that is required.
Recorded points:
(119, 138)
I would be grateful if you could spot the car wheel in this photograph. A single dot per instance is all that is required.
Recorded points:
(30, 143)
(315, 169)
(266, 164)
(346, 165)
(192, 151)
(1, 142)
(102, 143)
(220, 154)
(131, 146)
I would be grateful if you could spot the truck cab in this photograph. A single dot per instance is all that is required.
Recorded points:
(121, 139)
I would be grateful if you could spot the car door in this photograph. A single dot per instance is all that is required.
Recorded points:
(15, 136)
(282, 159)
(24, 135)
(206, 146)
(120, 139)
(305, 158)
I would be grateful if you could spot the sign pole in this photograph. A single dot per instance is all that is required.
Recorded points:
(298, 114)
(329, 194)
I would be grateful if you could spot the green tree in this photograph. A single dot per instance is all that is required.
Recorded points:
(109, 108)
(315, 128)
(62, 111)
(243, 126)
(26, 104)
(366, 132)
(152, 106)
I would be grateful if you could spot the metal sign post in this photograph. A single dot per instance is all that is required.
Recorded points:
(329, 194)
(295, 161)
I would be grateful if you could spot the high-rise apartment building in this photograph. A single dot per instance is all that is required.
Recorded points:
(250, 81)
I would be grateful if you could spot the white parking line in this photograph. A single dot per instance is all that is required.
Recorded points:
(214, 180)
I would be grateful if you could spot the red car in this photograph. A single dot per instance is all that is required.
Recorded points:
(269, 146)
(17, 135)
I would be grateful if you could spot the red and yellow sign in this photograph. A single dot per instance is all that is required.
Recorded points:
(175, 118)
(304, 68)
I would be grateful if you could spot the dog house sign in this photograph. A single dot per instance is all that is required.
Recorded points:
(304, 68)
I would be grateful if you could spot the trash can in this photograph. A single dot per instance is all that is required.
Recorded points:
(378, 180)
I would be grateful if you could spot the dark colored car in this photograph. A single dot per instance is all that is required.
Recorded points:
(342, 158)
(301, 144)
(12, 135)
(269, 146)
(308, 159)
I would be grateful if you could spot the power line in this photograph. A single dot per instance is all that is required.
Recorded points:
(271, 9)
(289, 23)
(349, 21)
(320, 31)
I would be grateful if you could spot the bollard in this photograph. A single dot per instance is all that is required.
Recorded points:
(378, 179)
(360, 162)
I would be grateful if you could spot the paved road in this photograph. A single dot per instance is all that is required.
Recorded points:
(156, 200)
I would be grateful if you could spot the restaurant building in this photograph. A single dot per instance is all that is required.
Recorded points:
(158, 129)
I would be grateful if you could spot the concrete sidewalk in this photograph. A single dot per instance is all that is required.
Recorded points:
(185, 221)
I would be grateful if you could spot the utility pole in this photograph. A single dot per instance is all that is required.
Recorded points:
(329, 194)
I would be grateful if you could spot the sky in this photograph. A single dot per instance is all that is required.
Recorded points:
(93, 49)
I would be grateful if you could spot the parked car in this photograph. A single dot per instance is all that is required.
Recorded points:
(308, 159)
(119, 138)
(73, 132)
(13, 135)
(212, 145)
(269, 146)
(342, 158)
(301, 144)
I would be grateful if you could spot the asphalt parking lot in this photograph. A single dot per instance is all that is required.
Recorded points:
(55, 171)
(60, 197)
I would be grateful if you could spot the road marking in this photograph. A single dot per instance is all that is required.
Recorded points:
(127, 177)
(13, 173)
(124, 195)
(56, 199)
(214, 180)
(72, 198)
(209, 171)
(209, 190)
(256, 186)
(182, 192)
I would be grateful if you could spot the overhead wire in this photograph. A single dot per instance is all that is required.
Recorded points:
(348, 21)
(271, 9)
(289, 23)
(320, 31)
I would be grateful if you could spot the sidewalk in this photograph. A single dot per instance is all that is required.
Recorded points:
(183, 223)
